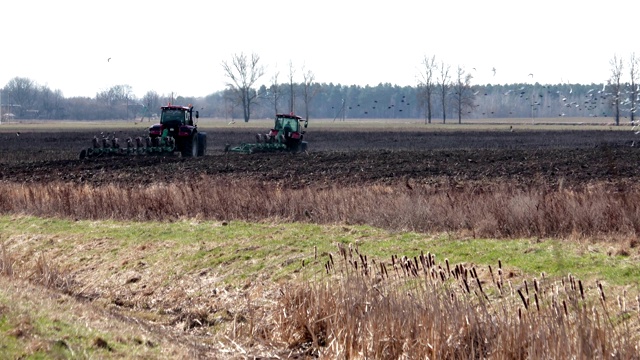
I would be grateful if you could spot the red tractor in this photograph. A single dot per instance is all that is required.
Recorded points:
(177, 123)
(175, 132)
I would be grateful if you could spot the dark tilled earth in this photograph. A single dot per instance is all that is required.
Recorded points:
(342, 157)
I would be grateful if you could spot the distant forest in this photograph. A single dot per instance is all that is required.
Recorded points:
(22, 98)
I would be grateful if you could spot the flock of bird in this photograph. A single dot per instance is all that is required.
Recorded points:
(536, 96)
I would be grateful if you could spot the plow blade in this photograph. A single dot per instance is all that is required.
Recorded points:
(257, 147)
(157, 146)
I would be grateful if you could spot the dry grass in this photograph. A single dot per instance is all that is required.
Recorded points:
(482, 211)
(356, 307)
(420, 308)
(6, 261)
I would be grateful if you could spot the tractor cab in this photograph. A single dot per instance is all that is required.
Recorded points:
(172, 115)
(178, 121)
(287, 129)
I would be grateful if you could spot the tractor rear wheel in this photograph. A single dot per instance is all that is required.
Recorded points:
(190, 147)
(202, 144)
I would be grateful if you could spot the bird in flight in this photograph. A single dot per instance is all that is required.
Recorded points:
(109, 59)
(531, 74)
(494, 71)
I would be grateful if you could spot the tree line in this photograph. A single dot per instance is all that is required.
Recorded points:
(441, 95)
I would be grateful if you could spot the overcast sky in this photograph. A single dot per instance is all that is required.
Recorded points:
(178, 46)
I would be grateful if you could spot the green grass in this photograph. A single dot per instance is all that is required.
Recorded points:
(241, 250)
(49, 327)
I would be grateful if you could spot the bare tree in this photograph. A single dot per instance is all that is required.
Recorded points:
(21, 93)
(292, 94)
(634, 74)
(151, 103)
(427, 84)
(243, 73)
(463, 94)
(443, 84)
(117, 99)
(615, 83)
(50, 102)
(229, 104)
(310, 89)
(275, 91)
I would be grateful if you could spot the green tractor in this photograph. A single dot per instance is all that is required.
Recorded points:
(287, 135)
(176, 131)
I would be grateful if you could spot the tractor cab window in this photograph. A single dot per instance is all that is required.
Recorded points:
(278, 124)
(171, 115)
(290, 125)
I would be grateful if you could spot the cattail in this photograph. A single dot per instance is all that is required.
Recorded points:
(601, 292)
(581, 289)
(499, 264)
(315, 252)
(448, 269)
(331, 259)
(526, 287)
(535, 297)
(524, 301)
(481, 289)
(619, 300)
(572, 280)
(535, 285)
(564, 305)
(491, 272)
(466, 285)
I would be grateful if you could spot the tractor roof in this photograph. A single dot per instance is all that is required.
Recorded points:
(289, 116)
(176, 107)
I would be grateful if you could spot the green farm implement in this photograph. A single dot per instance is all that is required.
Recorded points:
(175, 132)
(286, 135)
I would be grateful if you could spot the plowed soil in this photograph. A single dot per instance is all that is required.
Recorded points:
(341, 157)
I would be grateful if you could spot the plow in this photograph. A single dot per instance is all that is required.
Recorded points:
(176, 132)
(286, 135)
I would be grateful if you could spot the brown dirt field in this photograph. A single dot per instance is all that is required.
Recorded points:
(342, 157)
